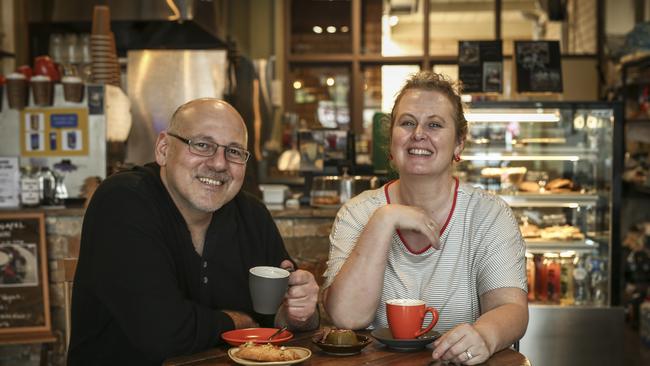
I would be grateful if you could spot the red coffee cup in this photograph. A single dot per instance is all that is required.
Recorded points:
(405, 318)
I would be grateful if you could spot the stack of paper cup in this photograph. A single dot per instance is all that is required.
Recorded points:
(73, 89)
(105, 66)
(17, 90)
(42, 90)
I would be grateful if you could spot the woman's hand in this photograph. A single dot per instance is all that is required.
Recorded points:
(414, 219)
(461, 345)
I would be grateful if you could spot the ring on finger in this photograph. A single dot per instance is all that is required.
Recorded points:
(468, 354)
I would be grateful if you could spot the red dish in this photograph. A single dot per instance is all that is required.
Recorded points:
(255, 335)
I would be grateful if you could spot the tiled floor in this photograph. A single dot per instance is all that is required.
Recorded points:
(636, 354)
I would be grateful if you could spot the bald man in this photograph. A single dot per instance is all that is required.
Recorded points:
(166, 248)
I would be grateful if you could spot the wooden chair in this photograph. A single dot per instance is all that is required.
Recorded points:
(69, 268)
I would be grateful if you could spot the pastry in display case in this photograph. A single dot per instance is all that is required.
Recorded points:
(558, 166)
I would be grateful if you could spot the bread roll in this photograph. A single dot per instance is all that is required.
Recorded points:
(559, 183)
(529, 187)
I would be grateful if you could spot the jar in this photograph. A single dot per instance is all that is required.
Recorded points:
(325, 191)
(30, 192)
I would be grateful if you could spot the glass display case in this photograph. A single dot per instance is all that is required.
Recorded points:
(558, 165)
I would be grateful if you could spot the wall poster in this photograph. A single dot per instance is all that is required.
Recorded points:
(24, 292)
(539, 66)
(54, 132)
(480, 66)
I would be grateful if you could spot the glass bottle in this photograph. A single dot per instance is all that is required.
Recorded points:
(552, 264)
(48, 187)
(598, 280)
(644, 320)
(541, 283)
(581, 293)
(345, 192)
(566, 278)
(530, 274)
(30, 193)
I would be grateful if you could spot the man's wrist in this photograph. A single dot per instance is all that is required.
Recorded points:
(310, 323)
(240, 319)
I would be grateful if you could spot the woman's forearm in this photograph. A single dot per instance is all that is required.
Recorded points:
(503, 325)
(353, 297)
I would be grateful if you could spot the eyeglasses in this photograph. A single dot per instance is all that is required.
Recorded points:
(207, 149)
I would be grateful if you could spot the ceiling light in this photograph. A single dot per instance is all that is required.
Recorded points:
(393, 20)
(317, 29)
(329, 81)
(297, 84)
(345, 29)
(331, 29)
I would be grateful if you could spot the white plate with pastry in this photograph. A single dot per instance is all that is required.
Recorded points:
(267, 354)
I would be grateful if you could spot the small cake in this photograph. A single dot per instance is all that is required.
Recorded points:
(339, 337)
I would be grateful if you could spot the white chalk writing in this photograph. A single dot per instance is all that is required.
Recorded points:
(16, 316)
(11, 225)
(9, 298)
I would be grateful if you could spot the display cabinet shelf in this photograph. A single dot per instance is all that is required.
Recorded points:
(550, 200)
(530, 154)
(536, 246)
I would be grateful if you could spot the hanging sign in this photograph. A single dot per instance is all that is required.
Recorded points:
(480, 66)
(539, 66)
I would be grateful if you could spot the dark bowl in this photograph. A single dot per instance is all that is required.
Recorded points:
(343, 350)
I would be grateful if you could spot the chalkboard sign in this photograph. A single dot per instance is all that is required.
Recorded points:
(24, 295)
(480, 66)
(539, 66)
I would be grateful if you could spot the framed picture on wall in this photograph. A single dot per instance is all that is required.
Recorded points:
(24, 285)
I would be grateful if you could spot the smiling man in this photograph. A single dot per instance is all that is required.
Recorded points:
(166, 248)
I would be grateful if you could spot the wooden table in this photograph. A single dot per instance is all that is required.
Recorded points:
(374, 354)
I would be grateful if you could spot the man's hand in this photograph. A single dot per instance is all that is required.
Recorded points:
(241, 320)
(301, 298)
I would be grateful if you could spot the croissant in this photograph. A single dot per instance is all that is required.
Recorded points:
(266, 353)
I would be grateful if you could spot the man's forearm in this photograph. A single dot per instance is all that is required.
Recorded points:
(241, 320)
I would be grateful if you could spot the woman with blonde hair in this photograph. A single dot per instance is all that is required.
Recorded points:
(427, 236)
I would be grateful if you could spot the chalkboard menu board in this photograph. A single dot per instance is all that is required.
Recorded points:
(24, 295)
(480, 66)
(539, 66)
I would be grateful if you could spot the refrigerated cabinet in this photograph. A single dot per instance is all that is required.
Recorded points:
(558, 165)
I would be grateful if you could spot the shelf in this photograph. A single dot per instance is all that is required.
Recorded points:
(642, 81)
(571, 200)
(538, 153)
(638, 188)
(541, 245)
(637, 120)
